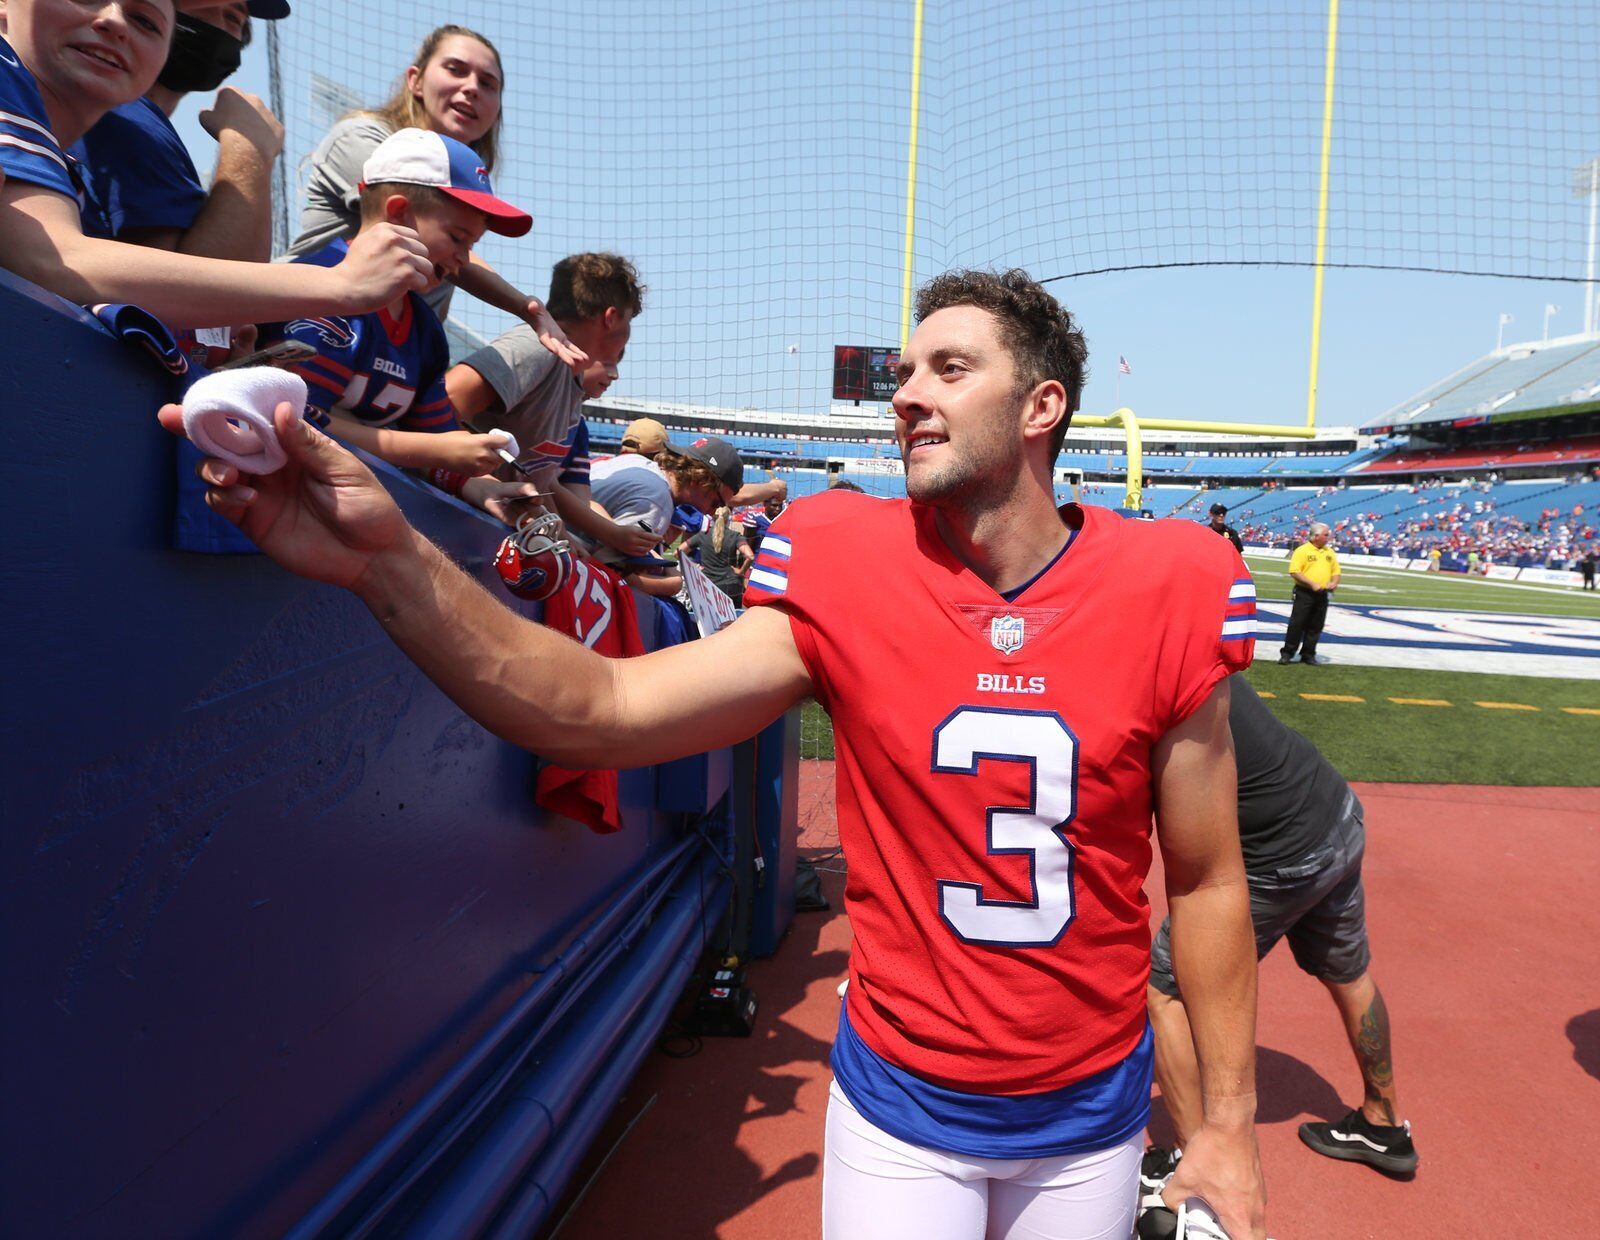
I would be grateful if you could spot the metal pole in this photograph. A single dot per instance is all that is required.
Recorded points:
(280, 172)
(1322, 212)
(911, 171)
(1591, 296)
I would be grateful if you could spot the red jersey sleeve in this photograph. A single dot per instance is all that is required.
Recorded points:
(792, 570)
(1216, 634)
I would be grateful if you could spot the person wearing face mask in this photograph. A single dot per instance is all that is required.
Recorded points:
(144, 185)
(453, 87)
(64, 64)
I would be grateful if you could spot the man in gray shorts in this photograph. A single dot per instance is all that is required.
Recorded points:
(1301, 830)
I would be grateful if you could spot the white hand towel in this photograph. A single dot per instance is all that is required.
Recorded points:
(229, 415)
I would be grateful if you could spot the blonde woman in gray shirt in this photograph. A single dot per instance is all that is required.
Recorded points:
(454, 88)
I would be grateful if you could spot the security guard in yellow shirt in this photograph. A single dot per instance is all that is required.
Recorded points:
(1315, 569)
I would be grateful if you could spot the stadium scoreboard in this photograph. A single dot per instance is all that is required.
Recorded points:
(861, 372)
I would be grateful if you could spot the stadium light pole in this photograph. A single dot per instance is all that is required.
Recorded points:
(1586, 184)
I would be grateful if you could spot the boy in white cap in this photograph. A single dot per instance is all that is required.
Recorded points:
(377, 380)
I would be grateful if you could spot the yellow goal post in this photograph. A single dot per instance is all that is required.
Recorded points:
(1129, 423)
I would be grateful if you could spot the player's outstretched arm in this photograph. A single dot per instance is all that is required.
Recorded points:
(325, 516)
(1214, 960)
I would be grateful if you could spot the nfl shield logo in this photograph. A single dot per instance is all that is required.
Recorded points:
(1006, 633)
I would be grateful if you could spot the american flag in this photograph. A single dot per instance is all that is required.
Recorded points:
(1122, 365)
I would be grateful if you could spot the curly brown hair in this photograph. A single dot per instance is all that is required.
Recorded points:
(687, 471)
(1037, 329)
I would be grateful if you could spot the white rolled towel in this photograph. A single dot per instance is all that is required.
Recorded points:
(228, 415)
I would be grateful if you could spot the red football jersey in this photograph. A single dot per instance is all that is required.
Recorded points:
(596, 607)
(994, 782)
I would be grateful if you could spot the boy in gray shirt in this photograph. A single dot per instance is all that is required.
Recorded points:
(516, 384)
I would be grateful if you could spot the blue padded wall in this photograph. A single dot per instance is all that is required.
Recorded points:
(263, 883)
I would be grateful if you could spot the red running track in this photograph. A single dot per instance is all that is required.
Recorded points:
(1484, 910)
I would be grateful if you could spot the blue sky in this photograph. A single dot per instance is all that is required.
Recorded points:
(752, 160)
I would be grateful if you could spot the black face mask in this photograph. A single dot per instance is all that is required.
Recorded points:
(203, 56)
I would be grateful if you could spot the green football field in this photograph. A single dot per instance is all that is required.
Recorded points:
(1398, 587)
(1407, 725)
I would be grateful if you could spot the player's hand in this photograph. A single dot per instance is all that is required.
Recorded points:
(629, 539)
(248, 117)
(510, 502)
(552, 337)
(1223, 1167)
(463, 452)
(323, 515)
(385, 261)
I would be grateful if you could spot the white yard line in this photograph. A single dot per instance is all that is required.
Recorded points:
(1420, 577)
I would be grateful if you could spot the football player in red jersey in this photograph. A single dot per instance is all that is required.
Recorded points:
(1039, 684)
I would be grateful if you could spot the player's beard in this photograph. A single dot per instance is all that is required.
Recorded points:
(973, 475)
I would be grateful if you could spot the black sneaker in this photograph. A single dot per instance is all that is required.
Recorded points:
(1355, 1139)
(1285, 659)
(1155, 1169)
(1158, 1223)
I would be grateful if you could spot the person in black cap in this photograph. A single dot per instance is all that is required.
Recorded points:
(639, 490)
(1219, 525)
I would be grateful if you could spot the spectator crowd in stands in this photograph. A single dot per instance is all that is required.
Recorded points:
(1451, 518)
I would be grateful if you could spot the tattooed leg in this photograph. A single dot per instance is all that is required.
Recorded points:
(1366, 1022)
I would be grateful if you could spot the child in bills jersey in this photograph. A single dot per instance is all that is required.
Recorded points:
(377, 380)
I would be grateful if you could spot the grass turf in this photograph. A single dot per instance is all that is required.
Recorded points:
(1382, 741)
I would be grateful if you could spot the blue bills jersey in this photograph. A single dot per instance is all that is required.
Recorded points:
(140, 171)
(575, 462)
(29, 151)
(372, 368)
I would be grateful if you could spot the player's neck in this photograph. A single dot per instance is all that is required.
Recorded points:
(1007, 541)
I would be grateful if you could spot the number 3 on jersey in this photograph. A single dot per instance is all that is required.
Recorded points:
(1043, 740)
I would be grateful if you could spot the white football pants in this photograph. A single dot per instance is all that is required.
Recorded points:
(878, 1187)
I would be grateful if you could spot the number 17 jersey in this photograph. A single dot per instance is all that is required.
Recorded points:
(994, 772)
